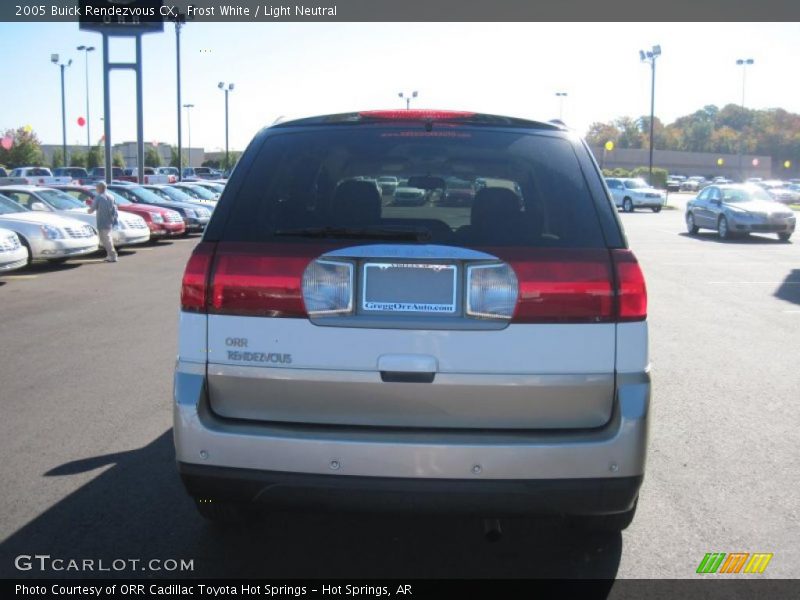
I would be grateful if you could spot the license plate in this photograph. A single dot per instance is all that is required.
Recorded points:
(409, 287)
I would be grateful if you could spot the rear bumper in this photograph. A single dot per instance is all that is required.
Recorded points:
(535, 469)
(296, 491)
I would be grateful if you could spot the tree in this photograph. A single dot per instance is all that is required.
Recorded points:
(152, 158)
(26, 149)
(173, 158)
(600, 133)
(58, 159)
(77, 159)
(95, 157)
(117, 160)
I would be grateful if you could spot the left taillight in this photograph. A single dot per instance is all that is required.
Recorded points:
(194, 287)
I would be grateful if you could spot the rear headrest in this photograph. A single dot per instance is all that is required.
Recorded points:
(494, 205)
(356, 203)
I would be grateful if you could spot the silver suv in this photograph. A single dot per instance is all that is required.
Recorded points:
(340, 351)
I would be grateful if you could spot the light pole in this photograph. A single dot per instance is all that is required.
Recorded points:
(54, 59)
(650, 56)
(561, 96)
(180, 20)
(86, 50)
(408, 98)
(188, 108)
(743, 62)
(229, 88)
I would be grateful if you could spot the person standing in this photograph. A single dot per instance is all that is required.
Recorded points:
(103, 204)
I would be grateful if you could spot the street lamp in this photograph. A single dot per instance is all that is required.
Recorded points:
(650, 56)
(54, 58)
(408, 98)
(229, 88)
(744, 63)
(188, 108)
(561, 96)
(86, 50)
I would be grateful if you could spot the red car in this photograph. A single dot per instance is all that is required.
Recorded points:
(161, 221)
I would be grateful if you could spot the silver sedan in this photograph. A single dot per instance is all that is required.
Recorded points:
(739, 210)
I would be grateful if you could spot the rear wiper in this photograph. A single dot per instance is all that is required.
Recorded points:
(380, 233)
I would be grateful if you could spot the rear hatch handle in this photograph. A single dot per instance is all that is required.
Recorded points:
(407, 368)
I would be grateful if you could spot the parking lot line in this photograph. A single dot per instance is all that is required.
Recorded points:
(20, 276)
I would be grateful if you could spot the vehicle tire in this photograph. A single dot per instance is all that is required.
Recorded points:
(605, 523)
(656, 209)
(223, 513)
(784, 237)
(25, 243)
(723, 229)
(627, 205)
(690, 226)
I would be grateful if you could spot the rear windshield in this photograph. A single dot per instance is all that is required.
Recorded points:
(453, 186)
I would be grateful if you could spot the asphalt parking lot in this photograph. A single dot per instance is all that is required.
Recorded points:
(88, 466)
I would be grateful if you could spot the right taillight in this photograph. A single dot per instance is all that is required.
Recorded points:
(631, 289)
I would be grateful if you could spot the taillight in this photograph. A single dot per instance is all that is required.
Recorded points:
(561, 285)
(631, 289)
(491, 291)
(328, 287)
(260, 279)
(194, 288)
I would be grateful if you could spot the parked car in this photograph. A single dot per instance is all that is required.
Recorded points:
(333, 353)
(161, 222)
(78, 174)
(170, 193)
(33, 176)
(780, 191)
(201, 173)
(738, 209)
(388, 184)
(171, 173)
(632, 193)
(409, 196)
(99, 173)
(47, 236)
(214, 187)
(674, 182)
(129, 231)
(198, 192)
(694, 184)
(194, 217)
(458, 192)
(13, 255)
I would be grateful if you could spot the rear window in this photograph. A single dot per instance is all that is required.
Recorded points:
(456, 186)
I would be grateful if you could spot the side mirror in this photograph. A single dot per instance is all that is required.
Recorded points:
(39, 206)
(716, 202)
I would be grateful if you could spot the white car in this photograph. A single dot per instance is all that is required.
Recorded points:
(47, 236)
(13, 254)
(630, 194)
(130, 230)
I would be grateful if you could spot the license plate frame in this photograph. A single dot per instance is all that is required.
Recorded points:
(438, 280)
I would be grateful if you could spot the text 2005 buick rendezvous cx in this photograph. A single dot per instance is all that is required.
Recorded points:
(340, 350)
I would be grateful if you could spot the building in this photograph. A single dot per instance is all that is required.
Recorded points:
(194, 156)
(687, 163)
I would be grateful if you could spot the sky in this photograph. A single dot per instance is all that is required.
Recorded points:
(302, 69)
